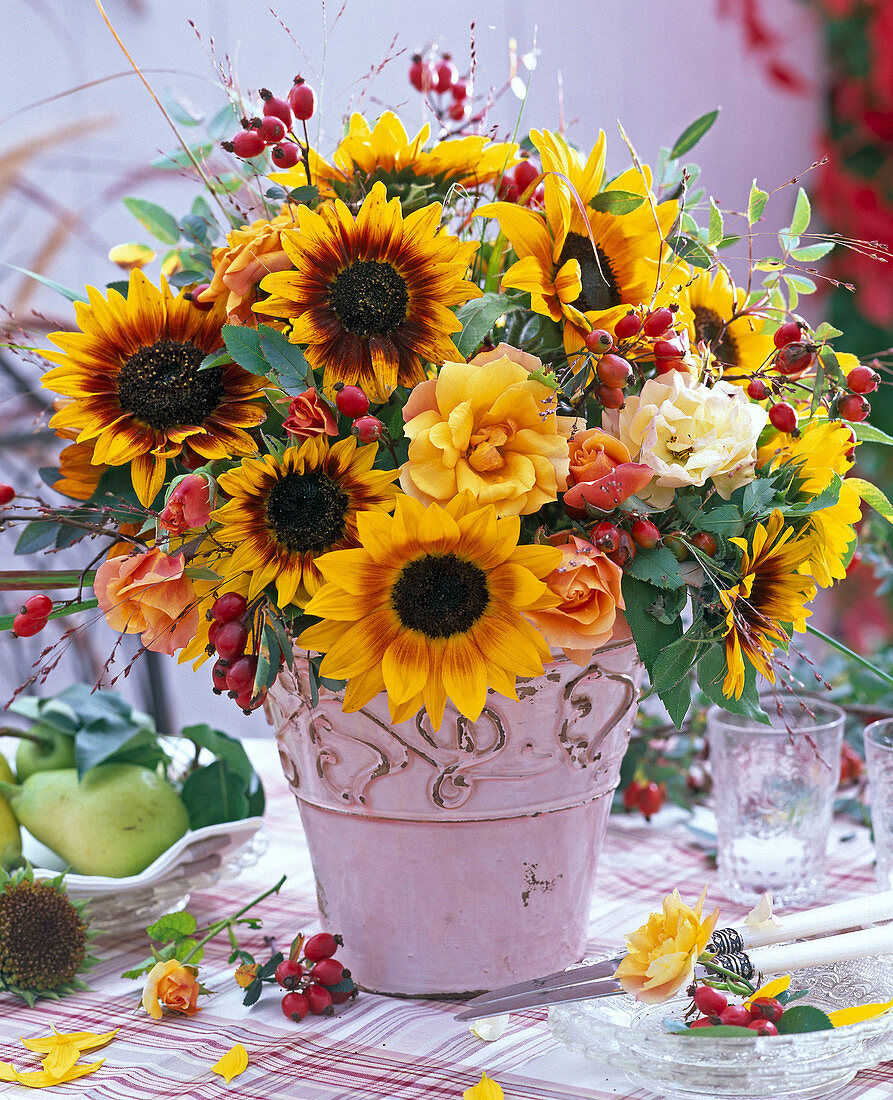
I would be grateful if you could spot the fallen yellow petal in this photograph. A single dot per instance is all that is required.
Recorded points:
(63, 1049)
(770, 989)
(485, 1089)
(855, 1015)
(233, 1063)
(40, 1079)
(7, 1073)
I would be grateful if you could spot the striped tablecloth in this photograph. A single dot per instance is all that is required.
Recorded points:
(376, 1048)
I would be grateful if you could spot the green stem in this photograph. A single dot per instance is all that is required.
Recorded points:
(221, 925)
(24, 580)
(707, 961)
(841, 648)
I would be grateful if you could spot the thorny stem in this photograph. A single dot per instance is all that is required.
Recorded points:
(219, 926)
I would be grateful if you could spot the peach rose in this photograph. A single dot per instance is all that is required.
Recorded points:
(253, 251)
(188, 504)
(308, 415)
(588, 584)
(149, 594)
(173, 986)
(601, 472)
(663, 952)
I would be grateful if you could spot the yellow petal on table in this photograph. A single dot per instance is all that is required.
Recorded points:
(485, 1089)
(62, 1050)
(855, 1015)
(40, 1079)
(770, 989)
(234, 1062)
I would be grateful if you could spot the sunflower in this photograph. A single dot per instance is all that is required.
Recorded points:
(79, 476)
(430, 605)
(385, 152)
(569, 280)
(138, 394)
(286, 511)
(739, 345)
(832, 533)
(772, 592)
(370, 296)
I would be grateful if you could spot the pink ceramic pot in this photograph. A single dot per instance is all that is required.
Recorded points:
(461, 860)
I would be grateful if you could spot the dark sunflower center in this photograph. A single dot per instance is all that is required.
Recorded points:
(306, 511)
(42, 937)
(600, 289)
(440, 595)
(369, 298)
(713, 330)
(162, 385)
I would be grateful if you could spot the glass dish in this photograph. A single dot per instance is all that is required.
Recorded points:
(630, 1036)
(198, 860)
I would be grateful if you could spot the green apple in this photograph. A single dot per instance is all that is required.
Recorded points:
(52, 751)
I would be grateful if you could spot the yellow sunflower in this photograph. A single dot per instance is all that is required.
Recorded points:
(771, 592)
(738, 345)
(578, 286)
(832, 533)
(285, 512)
(370, 297)
(431, 605)
(386, 152)
(137, 393)
(79, 477)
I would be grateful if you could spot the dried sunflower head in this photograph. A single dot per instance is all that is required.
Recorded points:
(44, 937)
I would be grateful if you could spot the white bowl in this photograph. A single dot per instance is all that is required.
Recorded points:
(198, 860)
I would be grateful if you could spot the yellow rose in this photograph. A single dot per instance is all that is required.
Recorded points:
(173, 986)
(663, 952)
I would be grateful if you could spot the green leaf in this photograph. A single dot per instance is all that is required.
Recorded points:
(658, 567)
(811, 252)
(181, 159)
(712, 670)
(224, 747)
(727, 241)
(719, 1031)
(802, 214)
(670, 675)
(867, 433)
(253, 992)
(686, 248)
(172, 926)
(214, 794)
(156, 219)
(756, 204)
(692, 134)
(715, 232)
(287, 366)
(269, 967)
(872, 496)
(801, 1018)
(244, 346)
(801, 284)
(616, 202)
(650, 633)
(36, 536)
(826, 332)
(71, 295)
(142, 968)
(479, 316)
(818, 384)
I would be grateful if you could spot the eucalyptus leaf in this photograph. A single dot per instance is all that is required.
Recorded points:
(802, 214)
(692, 134)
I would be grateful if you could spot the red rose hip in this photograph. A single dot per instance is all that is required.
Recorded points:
(783, 417)
(710, 1001)
(249, 143)
(863, 379)
(302, 99)
(352, 402)
(328, 972)
(735, 1016)
(295, 1006)
(38, 607)
(289, 973)
(321, 946)
(319, 999)
(787, 333)
(853, 406)
(7, 494)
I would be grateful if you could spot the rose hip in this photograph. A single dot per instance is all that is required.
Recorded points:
(710, 1001)
(735, 1016)
(248, 143)
(273, 129)
(763, 1027)
(328, 972)
(783, 417)
(628, 325)
(352, 402)
(276, 108)
(320, 1000)
(645, 534)
(789, 332)
(7, 494)
(23, 626)
(612, 397)
(295, 1006)
(302, 99)
(757, 390)
(631, 794)
(794, 358)
(614, 371)
(853, 406)
(525, 172)
(598, 341)
(230, 640)
(367, 429)
(37, 607)
(658, 321)
(286, 154)
(650, 800)
(240, 674)
(229, 606)
(863, 379)
(289, 973)
(321, 946)
(766, 1008)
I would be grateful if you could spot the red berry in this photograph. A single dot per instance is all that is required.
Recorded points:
(702, 1021)
(23, 626)
(367, 429)
(240, 675)
(658, 321)
(650, 799)
(645, 534)
(229, 606)
(710, 1001)
(863, 379)
(277, 108)
(286, 154)
(525, 172)
(735, 1016)
(675, 542)
(421, 74)
(628, 325)
(598, 341)
(459, 110)
(611, 397)
(245, 699)
(665, 366)
(328, 972)
(339, 996)
(783, 417)
(763, 1027)
(320, 1000)
(302, 99)
(230, 640)
(37, 607)
(321, 946)
(631, 794)
(295, 1006)
(248, 143)
(666, 349)
(625, 552)
(289, 973)
(459, 89)
(352, 402)
(704, 542)
(445, 72)
(614, 371)
(757, 390)
(766, 1008)
(853, 406)
(508, 190)
(194, 295)
(273, 129)
(605, 537)
(7, 494)
(218, 674)
(787, 334)
(794, 358)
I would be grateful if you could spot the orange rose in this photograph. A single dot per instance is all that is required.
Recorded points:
(594, 453)
(188, 506)
(254, 251)
(173, 986)
(308, 415)
(149, 594)
(588, 584)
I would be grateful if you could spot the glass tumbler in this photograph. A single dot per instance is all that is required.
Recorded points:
(773, 794)
(879, 758)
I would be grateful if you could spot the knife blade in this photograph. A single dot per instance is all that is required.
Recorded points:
(574, 976)
(581, 991)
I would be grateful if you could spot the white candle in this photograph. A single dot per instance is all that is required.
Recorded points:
(784, 957)
(854, 913)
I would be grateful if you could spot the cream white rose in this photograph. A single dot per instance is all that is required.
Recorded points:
(689, 433)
